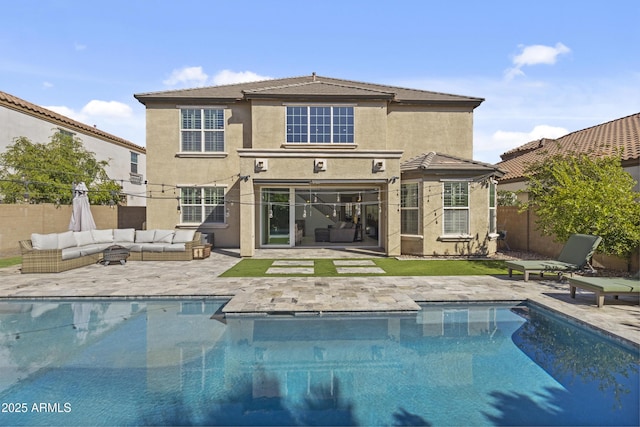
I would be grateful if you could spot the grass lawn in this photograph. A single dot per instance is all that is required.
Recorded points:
(391, 266)
(8, 262)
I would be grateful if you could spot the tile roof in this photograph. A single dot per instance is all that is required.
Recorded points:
(18, 104)
(439, 163)
(307, 86)
(601, 140)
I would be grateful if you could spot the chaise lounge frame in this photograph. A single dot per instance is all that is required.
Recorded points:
(575, 255)
(603, 286)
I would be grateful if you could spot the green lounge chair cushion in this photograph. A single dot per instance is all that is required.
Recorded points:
(607, 284)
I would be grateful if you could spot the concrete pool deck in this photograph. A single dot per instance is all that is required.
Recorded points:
(200, 278)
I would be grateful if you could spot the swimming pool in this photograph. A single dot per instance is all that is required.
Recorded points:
(169, 362)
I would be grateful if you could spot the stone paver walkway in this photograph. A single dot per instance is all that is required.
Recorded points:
(200, 279)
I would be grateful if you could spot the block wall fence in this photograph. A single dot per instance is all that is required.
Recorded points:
(522, 235)
(17, 222)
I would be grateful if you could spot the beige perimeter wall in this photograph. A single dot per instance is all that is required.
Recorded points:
(17, 222)
(522, 235)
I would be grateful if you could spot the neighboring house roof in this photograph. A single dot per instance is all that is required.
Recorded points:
(305, 87)
(18, 104)
(446, 164)
(601, 140)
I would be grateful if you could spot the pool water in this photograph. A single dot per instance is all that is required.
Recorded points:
(168, 362)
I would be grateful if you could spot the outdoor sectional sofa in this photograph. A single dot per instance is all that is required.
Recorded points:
(56, 252)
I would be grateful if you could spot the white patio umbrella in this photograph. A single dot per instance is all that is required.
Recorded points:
(81, 216)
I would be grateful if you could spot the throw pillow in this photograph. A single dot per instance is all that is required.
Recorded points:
(163, 236)
(144, 236)
(66, 240)
(44, 241)
(102, 236)
(83, 238)
(124, 235)
(183, 236)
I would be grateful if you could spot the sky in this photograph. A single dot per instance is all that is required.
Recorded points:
(543, 68)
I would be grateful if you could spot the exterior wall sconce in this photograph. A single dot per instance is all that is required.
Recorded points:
(261, 165)
(320, 165)
(378, 165)
(393, 179)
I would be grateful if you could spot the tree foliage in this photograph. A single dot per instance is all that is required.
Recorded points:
(578, 193)
(45, 173)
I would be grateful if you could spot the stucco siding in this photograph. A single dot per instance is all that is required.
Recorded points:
(417, 130)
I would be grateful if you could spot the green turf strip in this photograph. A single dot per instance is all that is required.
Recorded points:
(391, 266)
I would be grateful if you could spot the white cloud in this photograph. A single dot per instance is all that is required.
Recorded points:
(196, 77)
(65, 111)
(112, 109)
(79, 46)
(47, 85)
(114, 117)
(227, 77)
(187, 77)
(509, 139)
(534, 55)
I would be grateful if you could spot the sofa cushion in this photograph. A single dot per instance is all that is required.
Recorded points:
(174, 247)
(71, 253)
(124, 235)
(152, 247)
(144, 236)
(91, 249)
(44, 241)
(183, 236)
(66, 240)
(102, 236)
(83, 238)
(163, 236)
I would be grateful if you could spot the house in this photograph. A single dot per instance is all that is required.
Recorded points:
(605, 139)
(315, 161)
(127, 161)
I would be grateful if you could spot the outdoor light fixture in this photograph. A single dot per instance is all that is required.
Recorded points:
(261, 165)
(378, 165)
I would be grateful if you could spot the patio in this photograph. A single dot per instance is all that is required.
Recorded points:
(199, 278)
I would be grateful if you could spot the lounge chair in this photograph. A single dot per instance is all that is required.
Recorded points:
(574, 256)
(602, 286)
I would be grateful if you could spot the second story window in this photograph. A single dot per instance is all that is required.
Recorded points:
(134, 162)
(320, 125)
(202, 130)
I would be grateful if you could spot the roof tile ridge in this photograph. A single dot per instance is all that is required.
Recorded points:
(230, 85)
(402, 88)
(599, 125)
(26, 105)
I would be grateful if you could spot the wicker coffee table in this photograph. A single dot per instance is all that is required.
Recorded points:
(115, 253)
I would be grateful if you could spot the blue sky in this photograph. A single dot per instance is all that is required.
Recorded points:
(544, 68)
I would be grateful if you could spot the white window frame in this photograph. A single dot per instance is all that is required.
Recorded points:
(308, 125)
(493, 210)
(201, 204)
(203, 130)
(417, 208)
(461, 234)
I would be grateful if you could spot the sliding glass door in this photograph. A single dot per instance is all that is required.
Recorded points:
(275, 221)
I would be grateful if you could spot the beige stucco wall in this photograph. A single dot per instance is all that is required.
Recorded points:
(431, 242)
(257, 130)
(523, 235)
(418, 130)
(166, 165)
